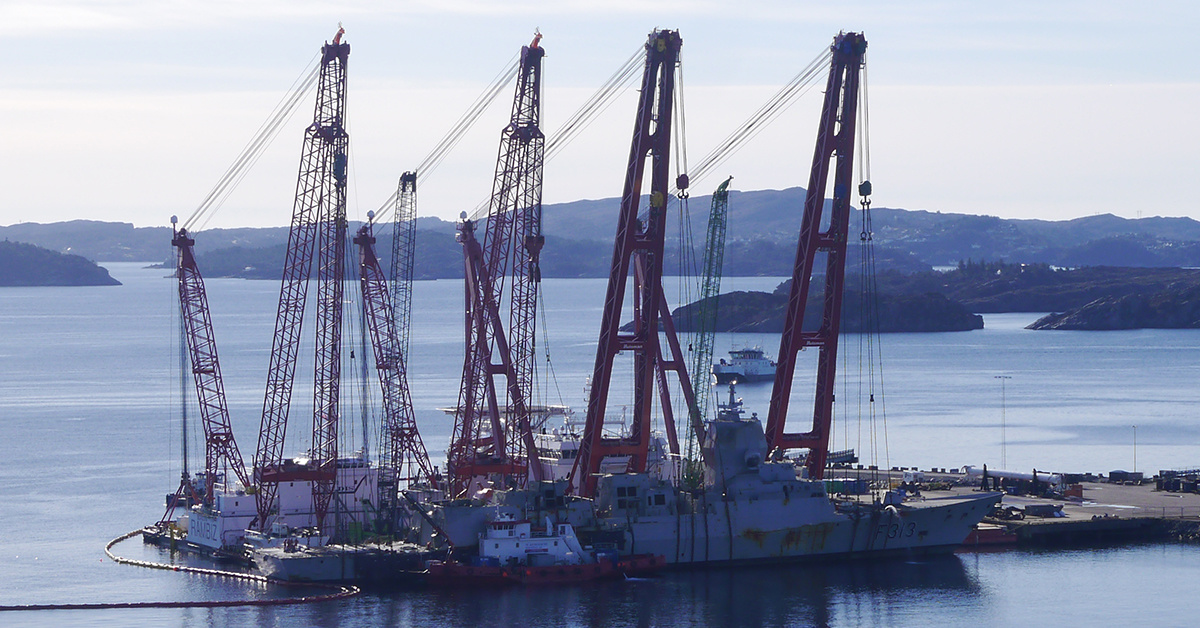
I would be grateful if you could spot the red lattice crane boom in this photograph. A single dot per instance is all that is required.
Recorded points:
(493, 435)
(220, 448)
(835, 138)
(404, 453)
(639, 249)
(318, 221)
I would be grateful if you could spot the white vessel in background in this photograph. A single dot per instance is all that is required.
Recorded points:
(748, 364)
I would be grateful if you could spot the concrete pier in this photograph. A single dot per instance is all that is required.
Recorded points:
(1107, 512)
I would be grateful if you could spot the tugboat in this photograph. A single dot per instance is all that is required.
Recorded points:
(745, 365)
(511, 551)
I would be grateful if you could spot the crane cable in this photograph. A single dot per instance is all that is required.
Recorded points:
(599, 102)
(456, 132)
(864, 129)
(688, 275)
(870, 275)
(266, 134)
(762, 118)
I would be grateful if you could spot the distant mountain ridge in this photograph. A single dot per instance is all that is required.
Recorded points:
(762, 229)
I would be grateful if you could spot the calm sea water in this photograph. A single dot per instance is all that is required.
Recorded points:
(89, 443)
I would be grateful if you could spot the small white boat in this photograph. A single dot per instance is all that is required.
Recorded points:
(745, 365)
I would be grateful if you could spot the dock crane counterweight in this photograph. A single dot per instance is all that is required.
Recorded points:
(318, 221)
(835, 138)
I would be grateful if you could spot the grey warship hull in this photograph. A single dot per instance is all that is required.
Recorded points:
(764, 532)
(750, 510)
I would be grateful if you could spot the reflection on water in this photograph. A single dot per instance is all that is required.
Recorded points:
(88, 396)
(783, 595)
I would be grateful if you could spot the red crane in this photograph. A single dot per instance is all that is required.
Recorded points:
(404, 454)
(318, 221)
(220, 449)
(491, 439)
(835, 137)
(639, 248)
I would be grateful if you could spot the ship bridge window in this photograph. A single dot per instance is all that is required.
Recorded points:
(658, 499)
(550, 500)
(626, 497)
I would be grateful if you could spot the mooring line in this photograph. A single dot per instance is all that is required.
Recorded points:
(339, 592)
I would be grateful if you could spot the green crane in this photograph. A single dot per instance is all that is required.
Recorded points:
(706, 319)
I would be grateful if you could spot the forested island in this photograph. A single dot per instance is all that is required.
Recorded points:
(28, 265)
(764, 312)
(1093, 298)
(1171, 308)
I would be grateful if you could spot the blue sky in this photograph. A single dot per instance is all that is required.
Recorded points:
(131, 110)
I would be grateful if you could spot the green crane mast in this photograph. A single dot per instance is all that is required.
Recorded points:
(706, 319)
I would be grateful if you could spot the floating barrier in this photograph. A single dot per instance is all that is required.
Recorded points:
(337, 592)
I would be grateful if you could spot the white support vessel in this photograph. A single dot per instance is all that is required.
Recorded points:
(748, 364)
(222, 528)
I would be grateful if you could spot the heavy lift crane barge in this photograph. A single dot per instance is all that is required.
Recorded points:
(220, 448)
(639, 243)
(405, 456)
(486, 442)
(318, 220)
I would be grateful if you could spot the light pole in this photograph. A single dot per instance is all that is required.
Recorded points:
(1003, 440)
(1135, 449)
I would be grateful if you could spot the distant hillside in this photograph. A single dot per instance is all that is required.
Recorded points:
(438, 256)
(934, 238)
(28, 265)
(761, 238)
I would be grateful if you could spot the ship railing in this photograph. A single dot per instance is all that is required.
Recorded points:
(1164, 512)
